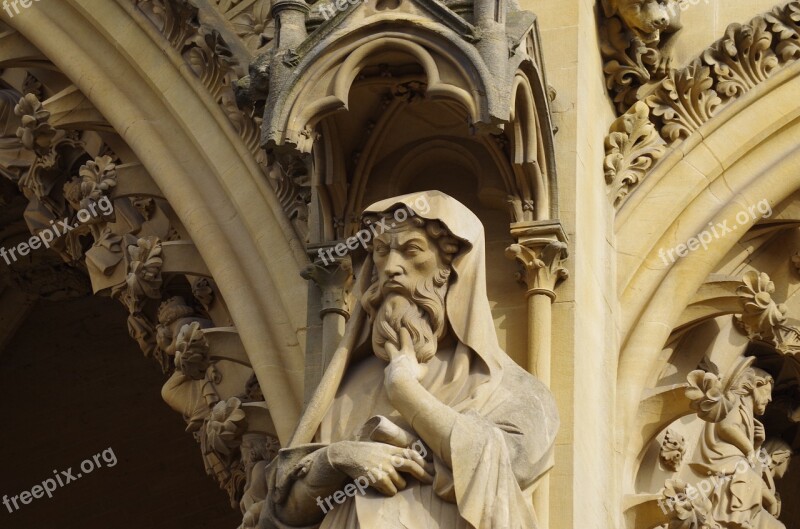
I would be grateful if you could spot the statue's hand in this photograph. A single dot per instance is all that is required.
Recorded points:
(759, 434)
(379, 464)
(403, 363)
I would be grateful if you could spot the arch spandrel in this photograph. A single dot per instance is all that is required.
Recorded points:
(694, 160)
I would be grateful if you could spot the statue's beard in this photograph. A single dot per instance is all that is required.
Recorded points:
(420, 311)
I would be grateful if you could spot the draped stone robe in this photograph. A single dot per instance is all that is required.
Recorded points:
(502, 440)
(499, 445)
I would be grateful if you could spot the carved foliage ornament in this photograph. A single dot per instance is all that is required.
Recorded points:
(684, 101)
(691, 509)
(673, 448)
(635, 41)
(632, 147)
(686, 98)
(212, 60)
(762, 318)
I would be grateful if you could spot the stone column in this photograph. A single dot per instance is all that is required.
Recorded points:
(541, 249)
(334, 281)
(291, 17)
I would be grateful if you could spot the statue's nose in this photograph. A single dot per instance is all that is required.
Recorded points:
(393, 271)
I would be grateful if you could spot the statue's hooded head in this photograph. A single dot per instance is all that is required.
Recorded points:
(430, 275)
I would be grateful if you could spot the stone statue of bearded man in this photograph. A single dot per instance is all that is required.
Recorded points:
(429, 423)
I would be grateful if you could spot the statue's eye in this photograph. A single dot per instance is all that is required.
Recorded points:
(413, 249)
(381, 249)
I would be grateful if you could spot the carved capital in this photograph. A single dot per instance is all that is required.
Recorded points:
(541, 250)
(334, 281)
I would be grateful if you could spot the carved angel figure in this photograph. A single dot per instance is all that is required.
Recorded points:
(731, 439)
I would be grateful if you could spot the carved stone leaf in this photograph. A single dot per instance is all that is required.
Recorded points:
(742, 59)
(632, 148)
(212, 61)
(684, 101)
(144, 277)
(175, 19)
(191, 351)
(707, 396)
(673, 448)
(690, 509)
(784, 22)
(225, 426)
(35, 131)
(626, 62)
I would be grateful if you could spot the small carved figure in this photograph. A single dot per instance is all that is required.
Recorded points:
(731, 443)
(780, 454)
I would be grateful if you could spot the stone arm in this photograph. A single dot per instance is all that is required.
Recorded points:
(494, 459)
(432, 420)
(731, 431)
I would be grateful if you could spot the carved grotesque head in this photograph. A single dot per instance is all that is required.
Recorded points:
(412, 259)
(780, 454)
(648, 19)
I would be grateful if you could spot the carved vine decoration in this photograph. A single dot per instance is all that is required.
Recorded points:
(742, 59)
(628, 63)
(681, 100)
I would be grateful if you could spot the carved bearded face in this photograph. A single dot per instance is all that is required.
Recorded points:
(412, 260)
(648, 18)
